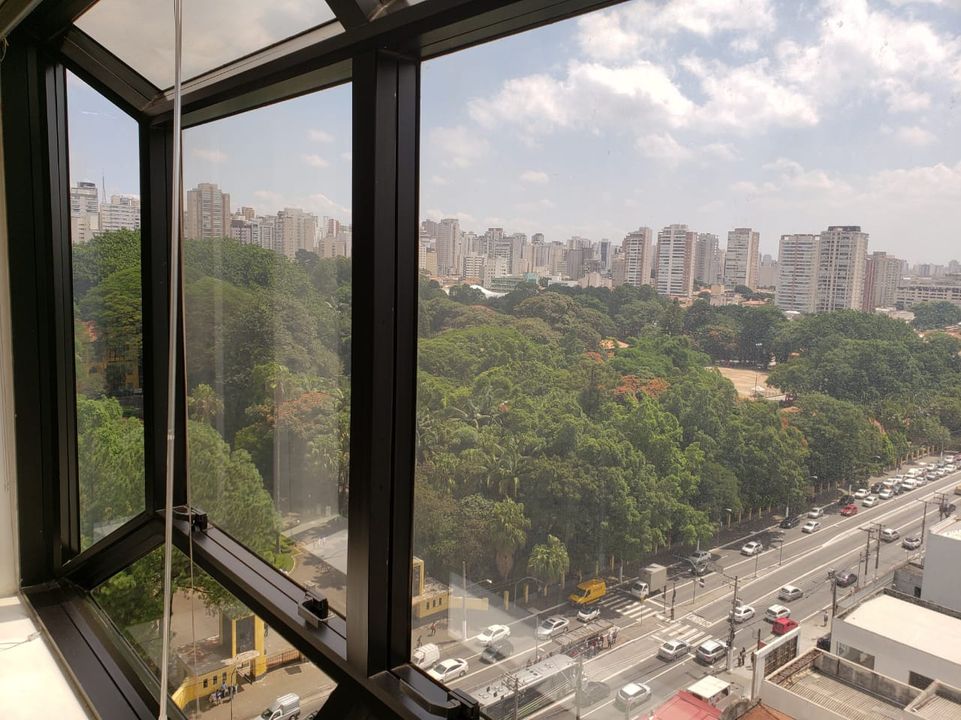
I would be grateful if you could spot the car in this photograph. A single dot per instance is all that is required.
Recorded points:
(286, 707)
(447, 670)
(911, 542)
(849, 510)
(710, 651)
(639, 589)
(776, 611)
(742, 613)
(589, 613)
(497, 651)
(844, 578)
(588, 592)
(554, 625)
(699, 557)
(824, 643)
(957, 490)
(876, 488)
(752, 548)
(593, 692)
(493, 633)
(673, 649)
(870, 501)
(861, 493)
(790, 592)
(908, 484)
(890, 534)
(897, 489)
(845, 500)
(951, 467)
(632, 695)
(811, 526)
(794, 520)
(783, 625)
(885, 494)
(816, 513)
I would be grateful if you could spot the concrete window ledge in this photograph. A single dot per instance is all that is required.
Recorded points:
(29, 671)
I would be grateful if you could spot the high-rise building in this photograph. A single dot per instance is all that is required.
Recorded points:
(637, 249)
(296, 230)
(121, 213)
(207, 215)
(448, 246)
(708, 268)
(742, 257)
(84, 212)
(797, 273)
(767, 272)
(841, 257)
(675, 261)
(881, 275)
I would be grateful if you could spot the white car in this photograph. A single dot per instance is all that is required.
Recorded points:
(885, 494)
(811, 526)
(870, 501)
(552, 626)
(816, 513)
(588, 613)
(950, 467)
(742, 613)
(890, 534)
(790, 592)
(493, 634)
(861, 493)
(776, 611)
(631, 695)
(639, 589)
(447, 670)
(752, 548)
(673, 649)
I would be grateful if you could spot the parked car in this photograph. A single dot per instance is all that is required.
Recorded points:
(824, 643)
(846, 500)
(699, 557)
(554, 625)
(870, 501)
(589, 613)
(776, 611)
(790, 592)
(885, 494)
(957, 490)
(911, 542)
(861, 493)
(897, 489)
(632, 695)
(876, 488)
(890, 534)
(849, 510)
(844, 578)
(783, 625)
(493, 633)
(710, 651)
(752, 548)
(742, 613)
(811, 526)
(673, 649)
(497, 651)
(908, 483)
(447, 670)
(816, 513)
(950, 467)
(639, 589)
(286, 707)
(593, 692)
(793, 521)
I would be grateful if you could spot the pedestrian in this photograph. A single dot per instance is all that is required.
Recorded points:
(824, 618)
(614, 639)
(433, 628)
(419, 637)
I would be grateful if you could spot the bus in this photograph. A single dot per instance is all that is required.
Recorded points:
(526, 690)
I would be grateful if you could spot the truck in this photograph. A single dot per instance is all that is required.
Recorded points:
(286, 707)
(655, 576)
(588, 592)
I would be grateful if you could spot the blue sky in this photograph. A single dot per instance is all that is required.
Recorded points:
(785, 117)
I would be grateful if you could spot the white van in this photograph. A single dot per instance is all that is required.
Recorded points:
(426, 655)
(286, 707)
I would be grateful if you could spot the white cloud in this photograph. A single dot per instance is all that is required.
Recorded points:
(537, 177)
(438, 180)
(458, 146)
(664, 148)
(323, 203)
(208, 155)
(720, 151)
(315, 161)
(323, 136)
(914, 135)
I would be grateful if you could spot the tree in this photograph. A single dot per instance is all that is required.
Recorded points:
(509, 534)
(204, 405)
(549, 561)
(467, 295)
(931, 315)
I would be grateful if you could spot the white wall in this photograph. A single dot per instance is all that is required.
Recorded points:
(942, 571)
(9, 575)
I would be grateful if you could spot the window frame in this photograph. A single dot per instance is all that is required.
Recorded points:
(368, 654)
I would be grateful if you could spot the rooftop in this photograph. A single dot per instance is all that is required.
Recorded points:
(685, 706)
(938, 702)
(919, 627)
(950, 527)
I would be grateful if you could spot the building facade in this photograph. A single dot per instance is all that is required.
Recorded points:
(708, 265)
(742, 257)
(918, 290)
(797, 273)
(675, 262)
(637, 251)
(881, 275)
(207, 214)
(842, 255)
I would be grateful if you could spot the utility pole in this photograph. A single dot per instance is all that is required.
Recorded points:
(514, 684)
(579, 674)
(924, 517)
(877, 553)
(673, 598)
(730, 634)
(834, 593)
(464, 575)
(867, 550)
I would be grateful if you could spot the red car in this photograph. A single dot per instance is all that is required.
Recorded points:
(849, 510)
(783, 625)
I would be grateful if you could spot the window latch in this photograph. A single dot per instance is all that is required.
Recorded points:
(194, 515)
(313, 609)
(458, 706)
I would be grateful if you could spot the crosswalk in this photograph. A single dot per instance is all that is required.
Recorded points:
(629, 607)
(691, 635)
(641, 611)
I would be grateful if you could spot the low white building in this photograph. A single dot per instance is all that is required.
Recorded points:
(942, 565)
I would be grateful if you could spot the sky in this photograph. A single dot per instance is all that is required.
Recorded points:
(782, 116)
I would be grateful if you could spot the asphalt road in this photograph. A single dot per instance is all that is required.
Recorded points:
(701, 612)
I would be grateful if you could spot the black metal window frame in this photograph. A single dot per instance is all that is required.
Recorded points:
(367, 654)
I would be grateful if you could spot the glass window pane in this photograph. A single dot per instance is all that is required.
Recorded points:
(108, 334)
(225, 661)
(267, 295)
(141, 32)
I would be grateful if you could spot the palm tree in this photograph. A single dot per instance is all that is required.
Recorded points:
(204, 404)
(509, 534)
(549, 561)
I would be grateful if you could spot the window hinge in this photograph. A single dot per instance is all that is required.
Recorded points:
(313, 608)
(194, 515)
(458, 706)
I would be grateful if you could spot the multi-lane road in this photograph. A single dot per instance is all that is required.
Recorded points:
(701, 612)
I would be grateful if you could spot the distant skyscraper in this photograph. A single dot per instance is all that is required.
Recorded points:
(767, 272)
(603, 253)
(448, 246)
(881, 275)
(121, 213)
(296, 230)
(707, 259)
(207, 215)
(84, 212)
(675, 261)
(741, 258)
(637, 250)
(841, 258)
(797, 273)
